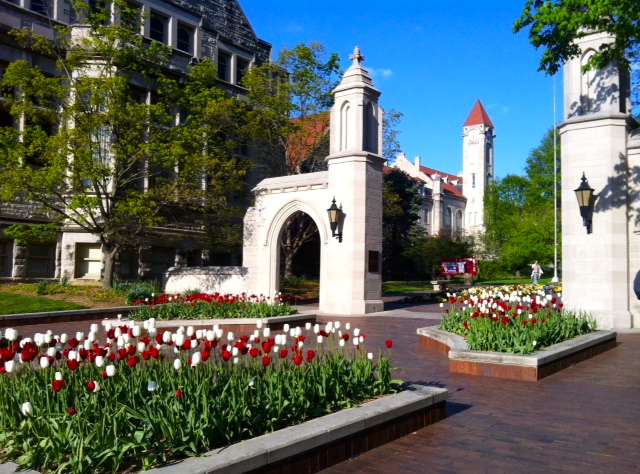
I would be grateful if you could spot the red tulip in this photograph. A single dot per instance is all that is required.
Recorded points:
(73, 342)
(72, 411)
(310, 355)
(154, 352)
(133, 361)
(254, 352)
(297, 359)
(187, 345)
(266, 360)
(91, 386)
(178, 393)
(389, 343)
(58, 385)
(72, 364)
(283, 353)
(226, 355)
(345, 336)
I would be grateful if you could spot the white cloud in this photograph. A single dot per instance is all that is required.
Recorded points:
(383, 73)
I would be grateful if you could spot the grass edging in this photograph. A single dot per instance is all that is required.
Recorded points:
(276, 448)
(532, 366)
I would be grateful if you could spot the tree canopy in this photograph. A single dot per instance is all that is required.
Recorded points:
(519, 212)
(95, 153)
(555, 24)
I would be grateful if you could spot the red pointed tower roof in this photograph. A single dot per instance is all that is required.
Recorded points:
(478, 116)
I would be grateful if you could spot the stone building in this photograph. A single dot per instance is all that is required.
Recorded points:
(214, 29)
(455, 203)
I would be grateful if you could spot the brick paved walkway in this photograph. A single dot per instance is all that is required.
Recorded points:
(583, 419)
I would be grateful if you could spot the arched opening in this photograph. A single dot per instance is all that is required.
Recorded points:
(299, 262)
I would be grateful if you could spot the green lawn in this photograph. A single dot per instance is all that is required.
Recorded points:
(18, 304)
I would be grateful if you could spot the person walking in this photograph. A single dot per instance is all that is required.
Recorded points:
(536, 272)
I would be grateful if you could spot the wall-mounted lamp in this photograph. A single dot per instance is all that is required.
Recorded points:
(335, 213)
(586, 200)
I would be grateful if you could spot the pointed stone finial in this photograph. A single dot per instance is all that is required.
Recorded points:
(356, 57)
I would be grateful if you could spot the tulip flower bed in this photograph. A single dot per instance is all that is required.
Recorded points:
(210, 306)
(141, 398)
(518, 319)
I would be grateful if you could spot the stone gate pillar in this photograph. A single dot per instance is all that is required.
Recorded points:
(596, 268)
(352, 275)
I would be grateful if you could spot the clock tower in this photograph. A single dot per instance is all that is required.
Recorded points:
(477, 165)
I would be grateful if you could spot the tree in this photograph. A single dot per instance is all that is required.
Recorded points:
(426, 251)
(94, 156)
(390, 143)
(401, 201)
(556, 24)
(290, 102)
(519, 212)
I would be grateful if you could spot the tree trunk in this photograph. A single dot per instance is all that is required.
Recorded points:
(109, 251)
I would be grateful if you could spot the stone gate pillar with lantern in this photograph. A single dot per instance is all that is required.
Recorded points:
(600, 143)
(351, 245)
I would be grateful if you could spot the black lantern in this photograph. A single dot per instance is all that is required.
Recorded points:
(335, 213)
(584, 193)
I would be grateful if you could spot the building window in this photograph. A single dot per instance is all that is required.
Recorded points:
(6, 257)
(158, 28)
(185, 35)
(459, 219)
(473, 180)
(130, 17)
(224, 65)
(241, 70)
(39, 6)
(40, 260)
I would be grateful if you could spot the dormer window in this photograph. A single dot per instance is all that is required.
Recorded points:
(224, 65)
(39, 6)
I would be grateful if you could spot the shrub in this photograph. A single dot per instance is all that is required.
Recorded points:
(42, 287)
(141, 290)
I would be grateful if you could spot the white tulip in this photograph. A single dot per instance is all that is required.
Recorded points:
(51, 351)
(177, 364)
(307, 326)
(44, 362)
(200, 333)
(230, 336)
(140, 347)
(58, 375)
(319, 339)
(110, 370)
(356, 332)
(300, 344)
(94, 327)
(108, 327)
(63, 338)
(196, 358)
(80, 336)
(91, 337)
(259, 323)
(336, 324)
(8, 366)
(190, 331)
(27, 409)
(347, 326)
(117, 333)
(166, 336)
(316, 328)
(285, 328)
(298, 331)
(99, 361)
(341, 342)
(179, 340)
(194, 343)
(266, 332)
(234, 351)
(136, 331)
(87, 345)
(370, 356)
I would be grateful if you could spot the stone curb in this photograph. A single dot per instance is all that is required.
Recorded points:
(257, 452)
(460, 351)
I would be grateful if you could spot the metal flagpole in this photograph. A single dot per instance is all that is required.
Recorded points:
(555, 189)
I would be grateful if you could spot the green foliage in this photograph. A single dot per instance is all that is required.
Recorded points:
(401, 201)
(125, 425)
(140, 290)
(390, 142)
(109, 141)
(42, 287)
(32, 233)
(290, 99)
(515, 324)
(426, 251)
(556, 24)
(490, 270)
(519, 213)
(293, 281)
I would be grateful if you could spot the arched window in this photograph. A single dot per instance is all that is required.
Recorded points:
(344, 126)
(458, 219)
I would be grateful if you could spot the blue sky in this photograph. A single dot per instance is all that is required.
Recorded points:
(432, 60)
